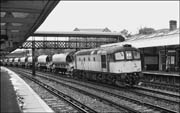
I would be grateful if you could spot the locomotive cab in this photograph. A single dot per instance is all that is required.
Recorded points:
(128, 63)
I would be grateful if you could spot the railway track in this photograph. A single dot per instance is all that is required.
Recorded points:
(162, 92)
(135, 89)
(76, 104)
(150, 106)
(121, 108)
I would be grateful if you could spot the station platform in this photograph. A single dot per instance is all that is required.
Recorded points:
(177, 74)
(17, 96)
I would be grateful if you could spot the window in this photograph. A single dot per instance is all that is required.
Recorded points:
(128, 55)
(84, 59)
(136, 55)
(119, 56)
(88, 59)
(79, 59)
(103, 61)
(94, 58)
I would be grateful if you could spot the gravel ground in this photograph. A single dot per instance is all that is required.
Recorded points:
(88, 101)
(133, 95)
(55, 103)
(85, 99)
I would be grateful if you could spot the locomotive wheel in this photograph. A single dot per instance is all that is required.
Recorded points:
(99, 77)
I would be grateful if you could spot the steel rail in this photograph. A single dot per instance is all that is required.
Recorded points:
(139, 88)
(79, 106)
(169, 87)
(123, 97)
(120, 107)
(132, 90)
(157, 91)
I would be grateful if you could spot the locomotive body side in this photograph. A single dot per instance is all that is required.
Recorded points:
(88, 62)
(102, 64)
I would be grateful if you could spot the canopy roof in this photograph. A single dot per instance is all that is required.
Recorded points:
(153, 40)
(106, 50)
(19, 19)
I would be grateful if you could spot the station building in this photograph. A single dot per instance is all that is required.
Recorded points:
(96, 41)
(160, 50)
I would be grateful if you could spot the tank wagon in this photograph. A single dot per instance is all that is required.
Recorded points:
(10, 61)
(119, 65)
(29, 62)
(1, 62)
(23, 61)
(16, 62)
(62, 62)
(5, 61)
(43, 61)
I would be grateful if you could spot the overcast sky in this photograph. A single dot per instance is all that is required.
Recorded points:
(115, 15)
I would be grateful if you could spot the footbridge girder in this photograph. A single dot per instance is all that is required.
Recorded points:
(62, 44)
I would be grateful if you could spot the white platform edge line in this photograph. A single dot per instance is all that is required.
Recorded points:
(43, 104)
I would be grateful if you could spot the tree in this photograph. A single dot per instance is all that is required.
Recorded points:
(146, 31)
(125, 33)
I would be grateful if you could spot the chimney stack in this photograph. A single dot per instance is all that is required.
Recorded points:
(172, 25)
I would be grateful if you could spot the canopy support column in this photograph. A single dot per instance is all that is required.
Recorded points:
(33, 58)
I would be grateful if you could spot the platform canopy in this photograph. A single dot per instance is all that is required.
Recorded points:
(80, 34)
(20, 19)
(154, 40)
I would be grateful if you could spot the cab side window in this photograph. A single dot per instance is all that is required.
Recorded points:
(119, 56)
(128, 55)
(136, 55)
